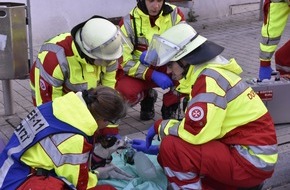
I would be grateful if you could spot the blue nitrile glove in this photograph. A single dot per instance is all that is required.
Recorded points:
(140, 145)
(142, 59)
(265, 72)
(161, 79)
(150, 135)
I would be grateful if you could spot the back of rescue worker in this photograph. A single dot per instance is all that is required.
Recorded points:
(78, 60)
(52, 147)
(227, 138)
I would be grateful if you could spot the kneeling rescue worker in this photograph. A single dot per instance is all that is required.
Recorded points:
(227, 138)
(52, 148)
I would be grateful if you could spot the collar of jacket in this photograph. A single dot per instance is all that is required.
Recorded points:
(71, 109)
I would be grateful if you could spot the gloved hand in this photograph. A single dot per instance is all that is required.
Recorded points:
(111, 171)
(150, 135)
(161, 79)
(140, 145)
(142, 59)
(265, 72)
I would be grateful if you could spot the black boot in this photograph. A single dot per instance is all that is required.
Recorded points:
(147, 106)
(169, 112)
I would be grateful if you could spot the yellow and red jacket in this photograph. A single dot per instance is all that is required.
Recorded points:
(276, 13)
(222, 107)
(63, 155)
(59, 69)
(145, 27)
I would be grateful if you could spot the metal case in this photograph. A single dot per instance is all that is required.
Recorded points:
(275, 93)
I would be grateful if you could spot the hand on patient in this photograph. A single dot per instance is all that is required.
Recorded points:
(110, 171)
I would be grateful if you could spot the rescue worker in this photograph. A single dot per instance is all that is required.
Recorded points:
(52, 147)
(227, 137)
(82, 59)
(282, 59)
(149, 17)
(276, 13)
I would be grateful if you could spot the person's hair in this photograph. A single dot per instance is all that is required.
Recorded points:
(105, 103)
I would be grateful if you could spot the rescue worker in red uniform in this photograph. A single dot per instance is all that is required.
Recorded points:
(227, 138)
(82, 59)
(149, 17)
(276, 13)
(52, 148)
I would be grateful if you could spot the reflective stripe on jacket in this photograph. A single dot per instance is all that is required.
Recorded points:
(60, 69)
(145, 32)
(222, 107)
(60, 140)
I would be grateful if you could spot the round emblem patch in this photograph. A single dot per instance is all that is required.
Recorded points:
(42, 85)
(196, 113)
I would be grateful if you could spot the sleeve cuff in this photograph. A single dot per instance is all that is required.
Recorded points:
(265, 63)
(148, 74)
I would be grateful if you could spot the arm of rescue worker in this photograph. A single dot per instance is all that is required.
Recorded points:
(131, 63)
(203, 120)
(46, 78)
(79, 173)
(109, 77)
(68, 158)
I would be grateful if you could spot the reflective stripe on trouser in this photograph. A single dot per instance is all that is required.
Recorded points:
(208, 165)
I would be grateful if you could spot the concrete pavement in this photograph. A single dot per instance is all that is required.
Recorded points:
(239, 34)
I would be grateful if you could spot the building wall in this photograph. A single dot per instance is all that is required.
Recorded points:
(55, 16)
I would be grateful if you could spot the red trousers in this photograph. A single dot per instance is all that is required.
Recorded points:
(213, 163)
(135, 90)
(282, 59)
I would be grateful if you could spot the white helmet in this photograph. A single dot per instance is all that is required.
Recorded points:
(173, 44)
(100, 39)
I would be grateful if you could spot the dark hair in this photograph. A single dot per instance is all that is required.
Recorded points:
(105, 103)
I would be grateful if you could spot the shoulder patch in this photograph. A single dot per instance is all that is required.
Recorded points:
(42, 84)
(196, 113)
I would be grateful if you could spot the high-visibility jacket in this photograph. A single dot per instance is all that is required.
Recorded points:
(222, 107)
(55, 136)
(145, 27)
(276, 13)
(60, 69)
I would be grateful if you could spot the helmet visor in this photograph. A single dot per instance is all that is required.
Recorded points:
(160, 51)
